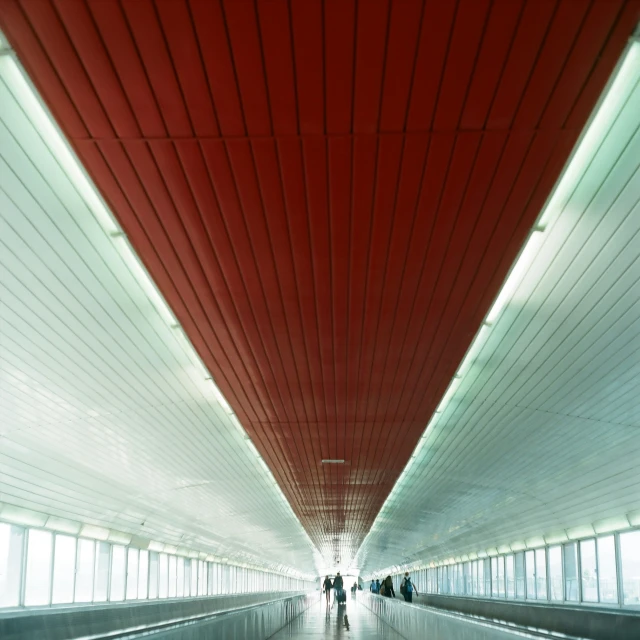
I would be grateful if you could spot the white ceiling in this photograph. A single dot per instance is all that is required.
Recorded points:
(104, 416)
(543, 432)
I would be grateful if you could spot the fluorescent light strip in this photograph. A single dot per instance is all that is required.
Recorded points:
(616, 95)
(21, 89)
(516, 275)
(121, 242)
(618, 92)
(453, 385)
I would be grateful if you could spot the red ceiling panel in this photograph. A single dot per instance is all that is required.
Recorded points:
(328, 194)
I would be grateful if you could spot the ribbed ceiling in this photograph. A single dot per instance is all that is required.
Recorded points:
(328, 194)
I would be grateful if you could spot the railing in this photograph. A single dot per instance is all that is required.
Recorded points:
(257, 616)
(414, 621)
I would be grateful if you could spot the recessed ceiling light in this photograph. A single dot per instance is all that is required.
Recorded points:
(333, 462)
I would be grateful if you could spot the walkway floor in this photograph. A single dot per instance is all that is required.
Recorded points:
(319, 622)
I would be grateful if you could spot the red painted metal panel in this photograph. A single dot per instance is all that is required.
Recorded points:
(371, 41)
(328, 194)
(466, 35)
(437, 24)
(53, 37)
(151, 45)
(277, 49)
(120, 49)
(177, 26)
(80, 26)
(404, 28)
(308, 44)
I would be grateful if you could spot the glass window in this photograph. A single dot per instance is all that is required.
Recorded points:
(163, 589)
(101, 574)
(530, 567)
(487, 577)
(173, 576)
(571, 586)
(180, 577)
(85, 563)
(118, 575)
(630, 561)
(194, 577)
(153, 575)
(541, 574)
(510, 573)
(11, 541)
(607, 574)
(480, 577)
(589, 570)
(143, 575)
(132, 574)
(520, 577)
(64, 567)
(202, 579)
(555, 572)
(494, 577)
(39, 556)
(187, 577)
(501, 576)
(474, 578)
(468, 588)
(210, 578)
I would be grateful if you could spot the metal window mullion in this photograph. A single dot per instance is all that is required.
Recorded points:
(23, 568)
(126, 573)
(109, 571)
(619, 577)
(149, 574)
(93, 573)
(579, 570)
(75, 570)
(595, 540)
(548, 563)
(564, 582)
(51, 565)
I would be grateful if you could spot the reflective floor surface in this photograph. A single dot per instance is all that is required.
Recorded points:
(320, 621)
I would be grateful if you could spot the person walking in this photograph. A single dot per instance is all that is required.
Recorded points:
(326, 587)
(388, 588)
(338, 585)
(372, 586)
(407, 588)
(377, 585)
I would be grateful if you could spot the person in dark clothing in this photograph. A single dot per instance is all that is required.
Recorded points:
(338, 585)
(407, 588)
(388, 588)
(377, 586)
(326, 587)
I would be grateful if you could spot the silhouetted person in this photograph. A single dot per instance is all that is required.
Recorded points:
(327, 585)
(407, 588)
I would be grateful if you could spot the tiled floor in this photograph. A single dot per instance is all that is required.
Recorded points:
(318, 621)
